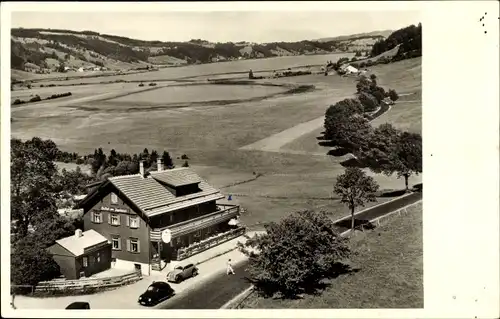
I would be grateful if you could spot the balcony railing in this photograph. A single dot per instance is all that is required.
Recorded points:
(208, 243)
(197, 223)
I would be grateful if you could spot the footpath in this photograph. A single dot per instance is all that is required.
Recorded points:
(211, 262)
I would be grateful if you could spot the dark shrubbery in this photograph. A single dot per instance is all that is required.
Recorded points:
(392, 95)
(141, 84)
(18, 101)
(152, 84)
(36, 98)
(55, 96)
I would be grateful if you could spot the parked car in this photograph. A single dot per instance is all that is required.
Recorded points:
(78, 305)
(181, 273)
(157, 292)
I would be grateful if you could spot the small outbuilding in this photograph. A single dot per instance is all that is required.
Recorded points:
(82, 255)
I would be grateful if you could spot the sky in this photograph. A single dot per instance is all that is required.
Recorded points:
(222, 26)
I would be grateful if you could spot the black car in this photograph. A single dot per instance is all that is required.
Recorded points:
(78, 305)
(157, 292)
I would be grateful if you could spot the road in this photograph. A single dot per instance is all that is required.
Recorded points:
(379, 210)
(213, 293)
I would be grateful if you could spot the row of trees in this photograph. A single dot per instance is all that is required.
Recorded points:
(384, 149)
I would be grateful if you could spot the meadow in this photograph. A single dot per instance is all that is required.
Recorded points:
(213, 135)
(388, 271)
(197, 93)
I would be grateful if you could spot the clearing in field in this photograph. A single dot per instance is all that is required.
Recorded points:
(388, 271)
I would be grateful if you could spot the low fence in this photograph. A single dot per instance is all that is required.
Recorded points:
(87, 285)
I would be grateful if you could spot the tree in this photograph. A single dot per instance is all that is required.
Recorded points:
(294, 254)
(407, 158)
(369, 101)
(186, 164)
(390, 151)
(113, 158)
(33, 185)
(167, 160)
(393, 95)
(355, 189)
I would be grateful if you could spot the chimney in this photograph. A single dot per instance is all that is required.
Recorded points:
(159, 164)
(141, 168)
(78, 233)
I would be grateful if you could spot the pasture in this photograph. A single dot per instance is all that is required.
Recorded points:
(389, 272)
(296, 174)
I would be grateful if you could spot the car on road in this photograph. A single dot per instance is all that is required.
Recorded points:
(181, 273)
(78, 305)
(157, 292)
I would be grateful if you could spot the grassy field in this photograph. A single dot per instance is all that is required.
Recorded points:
(198, 93)
(390, 271)
(212, 135)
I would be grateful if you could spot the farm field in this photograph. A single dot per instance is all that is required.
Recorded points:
(212, 135)
(197, 93)
(390, 271)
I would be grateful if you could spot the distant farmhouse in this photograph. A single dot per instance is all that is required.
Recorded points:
(154, 219)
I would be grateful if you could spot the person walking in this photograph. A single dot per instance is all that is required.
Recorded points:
(229, 270)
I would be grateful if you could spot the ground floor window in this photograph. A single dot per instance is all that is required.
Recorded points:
(133, 245)
(85, 262)
(116, 242)
(98, 257)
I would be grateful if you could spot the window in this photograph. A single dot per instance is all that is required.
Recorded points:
(98, 257)
(133, 221)
(114, 198)
(97, 217)
(85, 262)
(114, 219)
(133, 245)
(116, 243)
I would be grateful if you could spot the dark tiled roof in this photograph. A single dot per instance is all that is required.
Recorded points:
(177, 177)
(153, 198)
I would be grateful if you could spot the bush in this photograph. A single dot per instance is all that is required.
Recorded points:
(36, 98)
(142, 84)
(393, 95)
(55, 96)
(369, 101)
(18, 101)
(152, 84)
(295, 254)
(184, 157)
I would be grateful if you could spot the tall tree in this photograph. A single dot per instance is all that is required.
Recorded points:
(407, 158)
(391, 151)
(32, 181)
(294, 254)
(355, 189)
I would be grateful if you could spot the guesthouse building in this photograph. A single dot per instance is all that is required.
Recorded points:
(156, 218)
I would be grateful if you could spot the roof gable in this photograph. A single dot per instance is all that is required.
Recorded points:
(77, 245)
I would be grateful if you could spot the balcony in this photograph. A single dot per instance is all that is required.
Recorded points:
(227, 212)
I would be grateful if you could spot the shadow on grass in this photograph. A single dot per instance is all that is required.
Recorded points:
(353, 162)
(339, 151)
(313, 286)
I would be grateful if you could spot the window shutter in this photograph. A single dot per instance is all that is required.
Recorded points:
(119, 243)
(138, 246)
(109, 218)
(128, 245)
(138, 221)
(119, 219)
(92, 216)
(127, 217)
